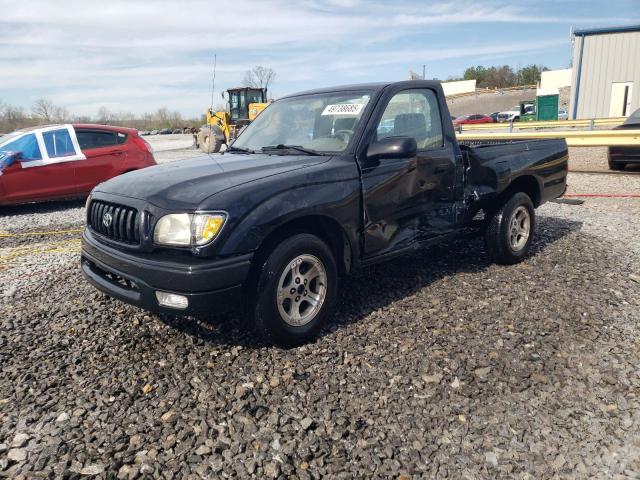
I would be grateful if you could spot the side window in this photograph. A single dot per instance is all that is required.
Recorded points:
(58, 143)
(27, 144)
(89, 139)
(413, 113)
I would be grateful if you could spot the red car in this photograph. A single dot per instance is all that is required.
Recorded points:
(475, 118)
(65, 161)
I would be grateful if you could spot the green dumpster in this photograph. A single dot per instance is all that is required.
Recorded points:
(544, 107)
(547, 107)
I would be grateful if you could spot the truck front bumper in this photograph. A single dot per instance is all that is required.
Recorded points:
(209, 286)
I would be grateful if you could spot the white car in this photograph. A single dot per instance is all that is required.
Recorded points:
(563, 114)
(508, 115)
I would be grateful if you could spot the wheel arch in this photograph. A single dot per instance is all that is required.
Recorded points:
(527, 184)
(324, 227)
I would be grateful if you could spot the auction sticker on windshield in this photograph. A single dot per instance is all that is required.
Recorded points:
(343, 109)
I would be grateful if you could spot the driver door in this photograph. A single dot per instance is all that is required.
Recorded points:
(407, 200)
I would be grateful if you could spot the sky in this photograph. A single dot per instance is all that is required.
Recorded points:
(139, 55)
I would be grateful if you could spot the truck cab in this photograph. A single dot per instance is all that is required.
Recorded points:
(222, 127)
(242, 108)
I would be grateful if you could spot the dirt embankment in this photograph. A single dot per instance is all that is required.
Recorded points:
(497, 102)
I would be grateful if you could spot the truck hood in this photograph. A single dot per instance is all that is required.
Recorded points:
(185, 184)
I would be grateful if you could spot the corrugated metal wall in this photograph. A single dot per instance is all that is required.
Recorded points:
(606, 58)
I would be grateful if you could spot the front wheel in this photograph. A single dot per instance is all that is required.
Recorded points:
(296, 291)
(509, 232)
(209, 143)
(617, 166)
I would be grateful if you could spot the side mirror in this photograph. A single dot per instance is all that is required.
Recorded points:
(9, 158)
(392, 147)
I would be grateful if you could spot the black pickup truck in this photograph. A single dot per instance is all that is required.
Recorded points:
(320, 184)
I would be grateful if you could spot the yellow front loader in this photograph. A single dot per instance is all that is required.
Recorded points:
(244, 105)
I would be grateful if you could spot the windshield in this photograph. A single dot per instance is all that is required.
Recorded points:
(322, 123)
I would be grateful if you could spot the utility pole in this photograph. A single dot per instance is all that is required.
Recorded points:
(424, 71)
(213, 81)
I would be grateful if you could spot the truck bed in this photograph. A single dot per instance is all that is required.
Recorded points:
(496, 165)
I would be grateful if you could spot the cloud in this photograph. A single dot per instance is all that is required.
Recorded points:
(145, 54)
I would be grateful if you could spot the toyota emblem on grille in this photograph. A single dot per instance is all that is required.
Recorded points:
(107, 219)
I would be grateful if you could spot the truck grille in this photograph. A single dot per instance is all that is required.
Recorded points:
(116, 222)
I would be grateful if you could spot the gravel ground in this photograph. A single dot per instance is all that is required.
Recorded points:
(438, 365)
(594, 159)
(163, 143)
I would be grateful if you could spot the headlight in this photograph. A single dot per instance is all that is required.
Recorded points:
(187, 229)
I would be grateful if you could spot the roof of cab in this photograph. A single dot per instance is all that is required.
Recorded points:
(375, 87)
(105, 127)
(80, 125)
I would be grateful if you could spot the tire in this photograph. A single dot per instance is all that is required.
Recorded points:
(210, 144)
(617, 166)
(505, 237)
(273, 308)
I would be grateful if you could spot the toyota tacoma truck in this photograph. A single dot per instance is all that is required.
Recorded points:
(322, 183)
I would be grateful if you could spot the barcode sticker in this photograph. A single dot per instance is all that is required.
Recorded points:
(343, 109)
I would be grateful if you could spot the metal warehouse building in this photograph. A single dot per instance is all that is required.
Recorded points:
(606, 72)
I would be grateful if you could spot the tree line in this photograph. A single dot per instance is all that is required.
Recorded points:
(502, 76)
(44, 111)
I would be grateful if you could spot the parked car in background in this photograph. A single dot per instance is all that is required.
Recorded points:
(563, 114)
(494, 116)
(153, 132)
(472, 119)
(165, 131)
(509, 115)
(56, 162)
(619, 157)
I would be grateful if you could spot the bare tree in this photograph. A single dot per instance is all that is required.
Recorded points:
(13, 118)
(60, 114)
(105, 116)
(44, 109)
(259, 77)
(82, 119)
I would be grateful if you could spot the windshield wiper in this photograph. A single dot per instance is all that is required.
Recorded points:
(296, 148)
(231, 148)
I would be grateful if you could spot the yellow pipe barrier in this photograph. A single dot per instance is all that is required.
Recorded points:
(591, 138)
(596, 122)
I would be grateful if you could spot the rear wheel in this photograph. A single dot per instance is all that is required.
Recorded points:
(616, 165)
(509, 232)
(296, 291)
